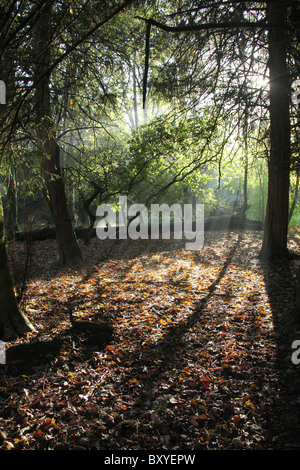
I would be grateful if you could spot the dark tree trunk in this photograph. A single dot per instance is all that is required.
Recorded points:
(295, 198)
(68, 247)
(12, 320)
(277, 211)
(297, 319)
(11, 223)
(246, 164)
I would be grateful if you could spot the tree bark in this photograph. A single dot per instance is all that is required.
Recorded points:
(298, 296)
(68, 247)
(295, 198)
(246, 163)
(13, 322)
(276, 221)
(11, 222)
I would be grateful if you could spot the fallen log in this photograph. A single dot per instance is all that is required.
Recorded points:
(225, 222)
(49, 233)
(231, 222)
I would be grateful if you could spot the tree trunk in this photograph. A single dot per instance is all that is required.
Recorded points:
(276, 221)
(135, 106)
(12, 320)
(245, 185)
(297, 319)
(295, 198)
(68, 247)
(11, 222)
(262, 195)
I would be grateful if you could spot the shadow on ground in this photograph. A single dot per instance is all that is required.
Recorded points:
(280, 281)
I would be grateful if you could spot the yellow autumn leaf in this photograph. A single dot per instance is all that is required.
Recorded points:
(133, 381)
(250, 404)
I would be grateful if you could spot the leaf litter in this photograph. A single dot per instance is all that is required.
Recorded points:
(200, 357)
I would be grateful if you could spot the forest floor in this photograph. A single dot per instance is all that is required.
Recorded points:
(200, 357)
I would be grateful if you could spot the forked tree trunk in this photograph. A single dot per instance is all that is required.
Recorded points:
(277, 211)
(12, 320)
(68, 247)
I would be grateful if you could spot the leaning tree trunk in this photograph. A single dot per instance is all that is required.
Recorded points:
(277, 211)
(68, 247)
(12, 320)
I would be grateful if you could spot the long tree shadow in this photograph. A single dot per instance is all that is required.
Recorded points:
(280, 284)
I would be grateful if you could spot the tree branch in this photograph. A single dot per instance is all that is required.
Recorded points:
(147, 53)
(206, 26)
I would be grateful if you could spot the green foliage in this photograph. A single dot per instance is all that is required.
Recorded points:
(164, 154)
